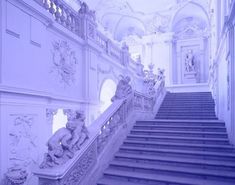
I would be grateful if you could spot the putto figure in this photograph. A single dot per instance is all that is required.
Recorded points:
(66, 141)
(123, 89)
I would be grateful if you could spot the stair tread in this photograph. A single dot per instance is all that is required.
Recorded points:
(232, 154)
(183, 120)
(176, 131)
(185, 144)
(177, 159)
(165, 178)
(180, 126)
(175, 168)
(178, 137)
(180, 144)
(106, 181)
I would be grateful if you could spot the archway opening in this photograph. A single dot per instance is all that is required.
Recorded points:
(59, 120)
(106, 93)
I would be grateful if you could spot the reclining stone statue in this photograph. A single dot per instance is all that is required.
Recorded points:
(123, 89)
(66, 141)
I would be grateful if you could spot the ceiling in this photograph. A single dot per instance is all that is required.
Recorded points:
(122, 18)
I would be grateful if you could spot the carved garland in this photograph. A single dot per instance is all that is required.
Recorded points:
(64, 62)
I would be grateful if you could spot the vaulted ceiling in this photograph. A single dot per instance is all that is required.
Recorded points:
(142, 17)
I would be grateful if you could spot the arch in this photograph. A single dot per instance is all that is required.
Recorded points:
(125, 25)
(107, 91)
(200, 11)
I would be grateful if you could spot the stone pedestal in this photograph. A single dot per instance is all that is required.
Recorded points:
(190, 77)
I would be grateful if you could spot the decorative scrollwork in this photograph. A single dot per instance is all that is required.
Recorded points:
(64, 62)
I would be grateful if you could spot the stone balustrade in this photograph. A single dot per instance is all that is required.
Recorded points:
(83, 24)
(101, 132)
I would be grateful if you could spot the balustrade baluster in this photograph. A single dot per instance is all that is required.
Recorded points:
(46, 4)
(63, 15)
(57, 11)
(52, 8)
(68, 19)
(76, 26)
(72, 25)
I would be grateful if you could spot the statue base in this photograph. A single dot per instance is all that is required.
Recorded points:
(190, 77)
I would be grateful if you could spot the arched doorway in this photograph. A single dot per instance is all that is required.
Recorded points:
(190, 62)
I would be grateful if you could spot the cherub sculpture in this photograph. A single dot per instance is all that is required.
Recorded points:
(123, 89)
(66, 141)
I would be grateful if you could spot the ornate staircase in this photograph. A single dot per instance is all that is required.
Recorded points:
(184, 144)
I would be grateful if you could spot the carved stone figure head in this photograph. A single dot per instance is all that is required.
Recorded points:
(127, 79)
(58, 151)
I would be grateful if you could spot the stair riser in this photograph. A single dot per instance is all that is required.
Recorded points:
(176, 163)
(180, 134)
(157, 128)
(159, 123)
(189, 107)
(186, 112)
(186, 117)
(140, 180)
(173, 173)
(191, 148)
(175, 154)
(179, 140)
(189, 102)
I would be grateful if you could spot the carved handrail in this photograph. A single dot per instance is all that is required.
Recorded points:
(100, 134)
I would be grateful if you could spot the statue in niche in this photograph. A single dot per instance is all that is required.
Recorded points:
(189, 61)
(66, 141)
(123, 89)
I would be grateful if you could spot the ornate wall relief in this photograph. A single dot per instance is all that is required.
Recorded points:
(23, 142)
(64, 62)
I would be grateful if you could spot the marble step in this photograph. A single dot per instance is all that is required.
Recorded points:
(177, 161)
(183, 105)
(179, 133)
(110, 181)
(186, 114)
(189, 97)
(180, 153)
(175, 139)
(173, 170)
(155, 179)
(185, 117)
(192, 105)
(178, 122)
(188, 111)
(178, 100)
(161, 127)
(181, 146)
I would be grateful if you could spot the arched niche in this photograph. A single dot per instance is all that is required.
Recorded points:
(190, 58)
(107, 91)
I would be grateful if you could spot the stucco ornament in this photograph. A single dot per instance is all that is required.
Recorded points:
(66, 141)
(123, 89)
(15, 176)
(64, 62)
